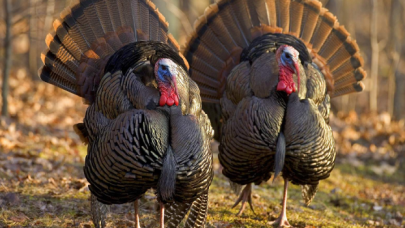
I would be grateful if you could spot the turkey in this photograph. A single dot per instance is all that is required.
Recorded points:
(266, 70)
(144, 125)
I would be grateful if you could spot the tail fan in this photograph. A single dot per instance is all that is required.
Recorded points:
(176, 211)
(89, 32)
(198, 212)
(308, 193)
(229, 26)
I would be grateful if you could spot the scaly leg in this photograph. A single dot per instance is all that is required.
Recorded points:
(162, 215)
(282, 219)
(245, 196)
(137, 224)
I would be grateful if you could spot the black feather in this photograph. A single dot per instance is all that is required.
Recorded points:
(280, 155)
(132, 53)
(167, 180)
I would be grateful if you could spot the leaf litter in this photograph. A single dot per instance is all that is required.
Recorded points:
(42, 182)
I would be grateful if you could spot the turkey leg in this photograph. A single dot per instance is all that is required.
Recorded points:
(162, 215)
(137, 225)
(245, 196)
(282, 219)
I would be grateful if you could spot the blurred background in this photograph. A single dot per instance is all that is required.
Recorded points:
(39, 150)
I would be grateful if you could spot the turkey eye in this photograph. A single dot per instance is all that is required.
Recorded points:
(287, 56)
(164, 67)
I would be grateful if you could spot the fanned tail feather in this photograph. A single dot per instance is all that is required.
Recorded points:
(175, 213)
(283, 14)
(308, 193)
(198, 212)
(231, 25)
(89, 32)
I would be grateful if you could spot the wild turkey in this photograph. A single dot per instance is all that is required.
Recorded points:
(144, 126)
(272, 66)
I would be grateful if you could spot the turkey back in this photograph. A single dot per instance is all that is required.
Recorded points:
(89, 32)
(230, 27)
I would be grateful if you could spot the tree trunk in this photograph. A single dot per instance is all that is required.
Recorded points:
(7, 58)
(50, 10)
(33, 35)
(394, 49)
(399, 105)
(374, 57)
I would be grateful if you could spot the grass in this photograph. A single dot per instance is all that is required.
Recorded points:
(48, 189)
(349, 198)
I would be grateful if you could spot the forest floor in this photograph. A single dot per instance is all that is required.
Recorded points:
(42, 182)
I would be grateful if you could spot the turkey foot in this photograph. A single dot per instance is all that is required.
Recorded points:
(137, 225)
(282, 221)
(162, 215)
(245, 196)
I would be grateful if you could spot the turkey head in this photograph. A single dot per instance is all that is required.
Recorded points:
(165, 73)
(287, 58)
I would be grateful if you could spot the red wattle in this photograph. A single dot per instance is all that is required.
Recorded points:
(288, 90)
(168, 95)
(163, 100)
(281, 86)
(170, 101)
(285, 80)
